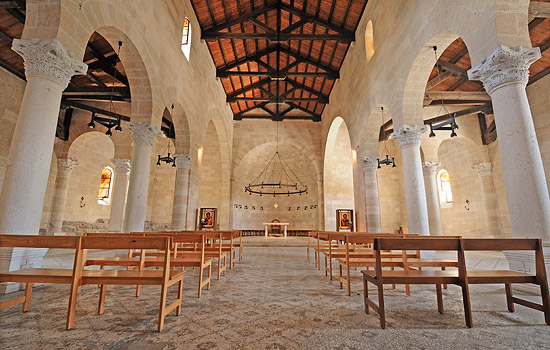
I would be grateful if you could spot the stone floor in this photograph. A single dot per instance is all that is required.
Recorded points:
(273, 299)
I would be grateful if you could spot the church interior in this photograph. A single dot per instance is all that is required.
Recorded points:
(318, 166)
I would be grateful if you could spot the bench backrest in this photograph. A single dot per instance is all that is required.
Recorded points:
(35, 241)
(499, 244)
(417, 243)
(129, 242)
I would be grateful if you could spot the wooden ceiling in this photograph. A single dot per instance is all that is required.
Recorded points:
(278, 59)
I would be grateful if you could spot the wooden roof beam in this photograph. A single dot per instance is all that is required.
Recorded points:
(250, 87)
(273, 37)
(79, 105)
(281, 99)
(13, 4)
(306, 88)
(273, 75)
(238, 116)
(241, 19)
(306, 16)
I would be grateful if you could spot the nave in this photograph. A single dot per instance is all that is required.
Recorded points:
(273, 299)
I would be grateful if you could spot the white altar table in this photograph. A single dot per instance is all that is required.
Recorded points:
(267, 224)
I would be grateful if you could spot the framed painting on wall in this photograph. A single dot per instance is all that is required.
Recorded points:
(207, 219)
(344, 220)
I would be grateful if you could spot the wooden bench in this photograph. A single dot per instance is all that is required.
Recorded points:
(238, 235)
(462, 276)
(508, 277)
(379, 277)
(69, 276)
(165, 277)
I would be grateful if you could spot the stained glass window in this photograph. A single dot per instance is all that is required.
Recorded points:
(104, 195)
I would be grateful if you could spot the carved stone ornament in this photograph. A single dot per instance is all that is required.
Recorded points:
(183, 161)
(122, 165)
(483, 169)
(370, 163)
(430, 168)
(505, 65)
(143, 132)
(409, 135)
(49, 59)
(66, 165)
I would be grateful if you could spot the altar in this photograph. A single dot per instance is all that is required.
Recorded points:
(267, 224)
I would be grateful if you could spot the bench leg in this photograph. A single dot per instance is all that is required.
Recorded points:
(180, 297)
(102, 293)
(162, 307)
(341, 276)
(439, 298)
(28, 293)
(209, 276)
(381, 311)
(72, 304)
(545, 301)
(366, 294)
(509, 297)
(201, 275)
(326, 270)
(348, 279)
(443, 269)
(307, 252)
(330, 267)
(467, 305)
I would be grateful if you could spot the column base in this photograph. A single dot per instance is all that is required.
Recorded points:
(12, 259)
(523, 261)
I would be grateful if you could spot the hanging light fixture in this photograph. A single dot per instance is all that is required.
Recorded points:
(387, 161)
(451, 122)
(109, 122)
(277, 178)
(167, 159)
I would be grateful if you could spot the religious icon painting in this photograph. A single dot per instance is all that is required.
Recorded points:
(344, 220)
(207, 219)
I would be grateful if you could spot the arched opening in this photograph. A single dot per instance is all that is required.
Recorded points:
(89, 194)
(186, 38)
(105, 186)
(338, 173)
(210, 162)
(369, 41)
(444, 189)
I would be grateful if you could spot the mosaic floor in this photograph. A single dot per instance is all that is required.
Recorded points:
(273, 299)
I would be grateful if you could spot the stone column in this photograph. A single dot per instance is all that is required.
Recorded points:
(181, 193)
(409, 138)
(372, 203)
(432, 197)
(120, 190)
(505, 74)
(320, 206)
(64, 169)
(48, 68)
(143, 138)
(489, 198)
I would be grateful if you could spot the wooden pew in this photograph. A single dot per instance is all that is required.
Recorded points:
(238, 235)
(379, 277)
(322, 236)
(71, 276)
(508, 277)
(187, 258)
(311, 243)
(165, 277)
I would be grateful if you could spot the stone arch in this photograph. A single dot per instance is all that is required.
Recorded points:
(93, 151)
(181, 124)
(338, 172)
(214, 173)
(253, 210)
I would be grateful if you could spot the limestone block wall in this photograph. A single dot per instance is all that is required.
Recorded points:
(391, 191)
(94, 151)
(465, 219)
(255, 143)
(210, 190)
(160, 198)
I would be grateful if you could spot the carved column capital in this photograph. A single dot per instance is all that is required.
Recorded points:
(143, 132)
(370, 163)
(409, 135)
(430, 168)
(483, 169)
(49, 59)
(183, 161)
(66, 165)
(122, 165)
(505, 65)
